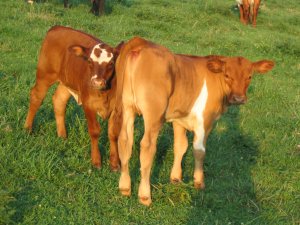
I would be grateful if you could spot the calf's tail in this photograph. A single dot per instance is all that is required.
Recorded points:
(121, 64)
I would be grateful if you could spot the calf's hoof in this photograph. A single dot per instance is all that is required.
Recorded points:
(63, 136)
(115, 168)
(28, 128)
(145, 201)
(97, 164)
(175, 180)
(114, 164)
(199, 186)
(125, 191)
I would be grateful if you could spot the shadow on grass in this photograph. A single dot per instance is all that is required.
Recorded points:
(24, 202)
(229, 197)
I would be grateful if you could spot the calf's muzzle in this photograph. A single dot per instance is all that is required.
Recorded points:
(99, 83)
(237, 99)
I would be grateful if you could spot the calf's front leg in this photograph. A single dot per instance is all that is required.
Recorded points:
(148, 150)
(94, 132)
(255, 12)
(199, 155)
(242, 16)
(114, 127)
(180, 147)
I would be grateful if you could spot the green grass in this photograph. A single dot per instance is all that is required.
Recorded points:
(253, 156)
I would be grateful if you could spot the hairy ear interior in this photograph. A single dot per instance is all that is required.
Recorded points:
(79, 51)
(263, 66)
(118, 48)
(215, 65)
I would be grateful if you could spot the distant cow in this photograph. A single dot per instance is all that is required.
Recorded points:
(97, 6)
(190, 91)
(248, 10)
(84, 67)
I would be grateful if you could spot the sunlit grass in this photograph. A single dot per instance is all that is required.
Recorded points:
(252, 164)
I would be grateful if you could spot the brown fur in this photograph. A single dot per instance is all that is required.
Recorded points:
(64, 60)
(162, 86)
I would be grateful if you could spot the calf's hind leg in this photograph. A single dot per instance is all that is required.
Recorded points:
(37, 95)
(125, 143)
(60, 100)
(114, 127)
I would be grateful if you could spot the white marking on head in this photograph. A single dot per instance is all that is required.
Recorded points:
(197, 111)
(104, 56)
(239, 2)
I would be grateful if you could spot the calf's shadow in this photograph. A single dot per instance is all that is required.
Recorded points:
(229, 196)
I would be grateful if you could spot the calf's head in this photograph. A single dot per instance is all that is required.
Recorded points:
(237, 73)
(101, 62)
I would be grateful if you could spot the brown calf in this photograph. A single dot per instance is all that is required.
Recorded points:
(190, 91)
(248, 10)
(84, 67)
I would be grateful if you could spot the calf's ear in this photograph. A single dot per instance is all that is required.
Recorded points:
(118, 48)
(263, 66)
(215, 65)
(79, 51)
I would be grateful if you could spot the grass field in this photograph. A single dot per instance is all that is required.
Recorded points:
(253, 155)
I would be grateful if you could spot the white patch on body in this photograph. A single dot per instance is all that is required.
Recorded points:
(75, 95)
(195, 120)
(103, 56)
(240, 2)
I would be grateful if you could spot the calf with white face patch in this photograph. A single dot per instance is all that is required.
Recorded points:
(101, 59)
(83, 66)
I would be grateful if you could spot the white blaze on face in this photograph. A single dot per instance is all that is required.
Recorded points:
(197, 112)
(100, 55)
(104, 55)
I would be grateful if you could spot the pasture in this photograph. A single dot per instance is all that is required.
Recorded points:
(252, 165)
